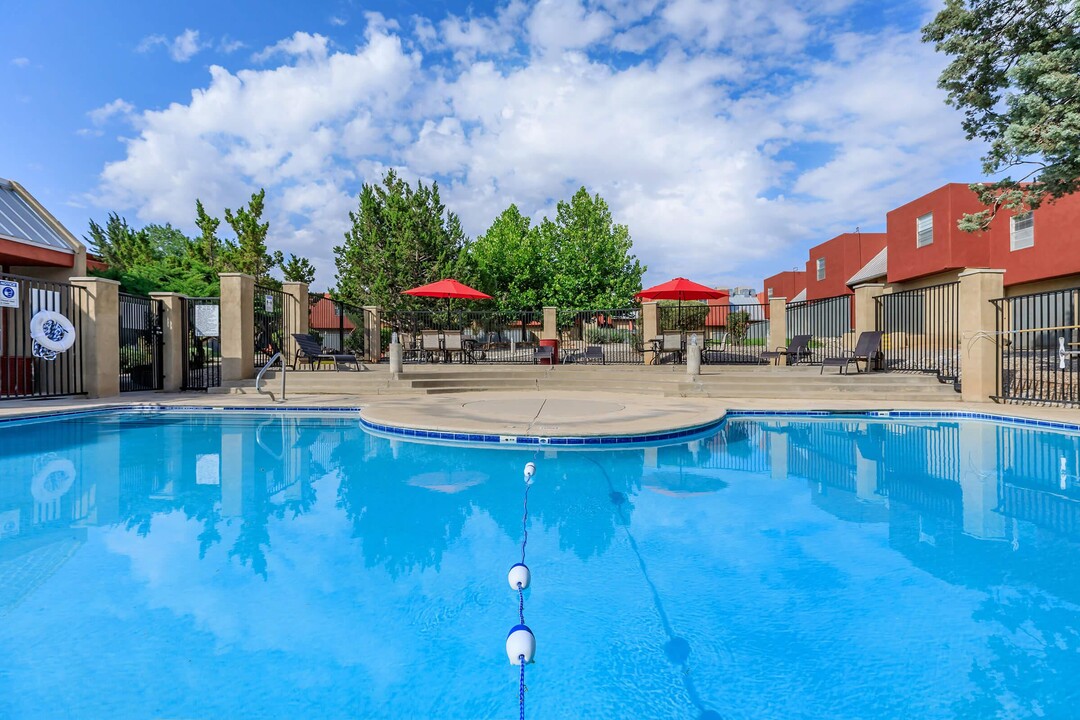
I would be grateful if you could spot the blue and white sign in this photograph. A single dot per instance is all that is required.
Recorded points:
(9, 293)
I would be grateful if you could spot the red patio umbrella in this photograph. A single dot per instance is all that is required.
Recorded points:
(447, 288)
(680, 289)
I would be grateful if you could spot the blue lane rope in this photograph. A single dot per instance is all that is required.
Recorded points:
(521, 688)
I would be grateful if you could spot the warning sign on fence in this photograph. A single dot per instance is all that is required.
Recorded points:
(9, 293)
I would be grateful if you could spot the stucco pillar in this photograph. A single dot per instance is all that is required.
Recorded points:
(551, 324)
(650, 328)
(866, 307)
(297, 318)
(172, 336)
(978, 327)
(100, 309)
(237, 326)
(373, 333)
(778, 326)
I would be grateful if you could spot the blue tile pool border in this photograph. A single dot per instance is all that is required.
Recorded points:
(561, 441)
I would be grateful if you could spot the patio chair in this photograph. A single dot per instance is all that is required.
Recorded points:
(591, 354)
(430, 344)
(310, 351)
(714, 353)
(669, 343)
(454, 343)
(796, 351)
(867, 350)
(544, 352)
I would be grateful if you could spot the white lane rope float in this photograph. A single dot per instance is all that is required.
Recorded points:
(51, 333)
(521, 643)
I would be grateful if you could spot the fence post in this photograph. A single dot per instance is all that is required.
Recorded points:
(373, 333)
(650, 328)
(866, 307)
(778, 326)
(100, 309)
(978, 327)
(237, 326)
(551, 324)
(172, 339)
(299, 318)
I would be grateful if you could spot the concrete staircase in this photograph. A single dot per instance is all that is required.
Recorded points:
(728, 381)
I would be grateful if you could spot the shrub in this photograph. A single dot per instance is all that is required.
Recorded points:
(605, 336)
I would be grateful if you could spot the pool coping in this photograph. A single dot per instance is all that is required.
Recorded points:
(518, 440)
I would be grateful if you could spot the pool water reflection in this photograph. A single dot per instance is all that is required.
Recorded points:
(282, 565)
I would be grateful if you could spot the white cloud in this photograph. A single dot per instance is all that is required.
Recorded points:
(229, 45)
(338, 21)
(20, 62)
(690, 142)
(181, 48)
(119, 106)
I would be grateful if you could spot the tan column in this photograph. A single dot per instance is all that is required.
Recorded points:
(172, 331)
(373, 333)
(866, 307)
(551, 324)
(778, 325)
(237, 326)
(297, 318)
(100, 309)
(978, 327)
(650, 328)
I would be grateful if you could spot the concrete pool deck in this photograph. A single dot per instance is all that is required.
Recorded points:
(530, 413)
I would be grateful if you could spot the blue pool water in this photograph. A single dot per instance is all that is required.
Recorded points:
(285, 566)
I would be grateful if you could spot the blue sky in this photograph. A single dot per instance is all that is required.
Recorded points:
(729, 135)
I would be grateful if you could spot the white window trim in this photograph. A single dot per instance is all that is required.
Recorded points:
(820, 269)
(1030, 236)
(918, 230)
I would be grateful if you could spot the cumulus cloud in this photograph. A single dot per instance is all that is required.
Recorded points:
(181, 48)
(100, 116)
(693, 119)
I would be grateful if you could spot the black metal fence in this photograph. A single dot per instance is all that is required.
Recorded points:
(617, 333)
(828, 322)
(734, 333)
(141, 366)
(922, 330)
(340, 326)
(202, 343)
(27, 369)
(1039, 337)
(273, 310)
(490, 336)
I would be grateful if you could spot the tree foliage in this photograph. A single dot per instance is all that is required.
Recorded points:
(298, 269)
(248, 254)
(121, 246)
(400, 237)
(511, 262)
(1015, 74)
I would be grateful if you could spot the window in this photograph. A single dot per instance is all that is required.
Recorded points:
(1022, 233)
(821, 268)
(770, 292)
(924, 230)
(337, 310)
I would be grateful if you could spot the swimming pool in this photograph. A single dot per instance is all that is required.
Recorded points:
(290, 565)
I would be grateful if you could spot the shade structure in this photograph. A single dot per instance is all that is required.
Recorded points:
(680, 289)
(447, 288)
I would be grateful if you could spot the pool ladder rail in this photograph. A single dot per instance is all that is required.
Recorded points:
(259, 377)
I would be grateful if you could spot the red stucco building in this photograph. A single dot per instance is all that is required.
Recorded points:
(832, 262)
(787, 284)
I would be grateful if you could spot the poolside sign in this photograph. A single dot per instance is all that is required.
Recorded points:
(206, 321)
(9, 293)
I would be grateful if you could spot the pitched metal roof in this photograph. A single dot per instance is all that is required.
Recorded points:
(800, 297)
(874, 270)
(21, 222)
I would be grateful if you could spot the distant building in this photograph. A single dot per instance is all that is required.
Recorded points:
(832, 262)
(32, 241)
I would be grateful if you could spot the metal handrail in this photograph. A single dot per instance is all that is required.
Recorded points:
(259, 377)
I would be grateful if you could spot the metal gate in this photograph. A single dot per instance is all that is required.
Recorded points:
(140, 343)
(272, 310)
(1039, 340)
(922, 330)
(202, 343)
(25, 370)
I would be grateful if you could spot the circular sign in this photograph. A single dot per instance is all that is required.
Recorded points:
(8, 292)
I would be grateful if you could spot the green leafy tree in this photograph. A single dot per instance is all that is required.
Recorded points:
(511, 262)
(1015, 74)
(121, 246)
(298, 269)
(208, 246)
(248, 254)
(592, 265)
(400, 237)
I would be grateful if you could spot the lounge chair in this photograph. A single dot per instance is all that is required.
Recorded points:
(310, 351)
(669, 343)
(867, 350)
(796, 351)
(453, 343)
